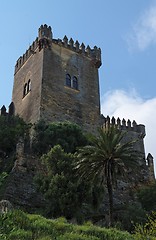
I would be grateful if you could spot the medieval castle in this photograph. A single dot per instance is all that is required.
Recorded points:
(57, 80)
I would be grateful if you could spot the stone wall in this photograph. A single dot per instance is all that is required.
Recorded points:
(44, 67)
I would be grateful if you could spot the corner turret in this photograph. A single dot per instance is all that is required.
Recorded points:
(44, 32)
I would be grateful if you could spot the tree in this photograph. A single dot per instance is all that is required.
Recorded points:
(109, 156)
(68, 135)
(147, 196)
(11, 128)
(67, 196)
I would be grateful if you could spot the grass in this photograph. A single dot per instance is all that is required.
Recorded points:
(21, 226)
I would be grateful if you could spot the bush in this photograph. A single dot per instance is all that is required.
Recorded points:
(20, 234)
(11, 128)
(130, 215)
(20, 226)
(76, 236)
(104, 233)
(147, 196)
(68, 135)
(67, 195)
(148, 230)
(13, 220)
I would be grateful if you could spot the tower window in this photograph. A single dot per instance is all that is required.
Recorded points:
(75, 83)
(68, 80)
(71, 82)
(27, 88)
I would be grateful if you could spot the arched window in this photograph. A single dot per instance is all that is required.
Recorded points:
(75, 83)
(68, 80)
(25, 89)
(29, 86)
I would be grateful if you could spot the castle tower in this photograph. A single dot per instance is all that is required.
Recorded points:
(57, 80)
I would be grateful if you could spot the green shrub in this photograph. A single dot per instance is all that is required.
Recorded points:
(104, 233)
(76, 236)
(147, 196)
(17, 225)
(20, 234)
(40, 227)
(62, 228)
(45, 238)
(148, 230)
(12, 221)
(3, 236)
(68, 135)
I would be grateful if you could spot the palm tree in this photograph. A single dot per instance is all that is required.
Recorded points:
(109, 156)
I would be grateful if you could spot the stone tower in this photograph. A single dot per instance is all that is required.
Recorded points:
(57, 80)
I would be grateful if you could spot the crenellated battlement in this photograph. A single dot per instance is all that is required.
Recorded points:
(30, 51)
(94, 54)
(124, 125)
(45, 39)
(10, 112)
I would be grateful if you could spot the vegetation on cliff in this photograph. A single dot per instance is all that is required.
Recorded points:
(55, 149)
(108, 158)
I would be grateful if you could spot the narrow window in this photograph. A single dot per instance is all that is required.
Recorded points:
(25, 89)
(75, 83)
(29, 86)
(68, 80)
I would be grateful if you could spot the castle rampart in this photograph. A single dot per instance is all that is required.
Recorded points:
(124, 125)
(45, 38)
(10, 112)
(26, 55)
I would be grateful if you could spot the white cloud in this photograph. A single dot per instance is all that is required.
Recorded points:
(143, 34)
(130, 105)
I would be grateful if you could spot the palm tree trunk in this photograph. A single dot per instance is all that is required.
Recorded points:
(110, 196)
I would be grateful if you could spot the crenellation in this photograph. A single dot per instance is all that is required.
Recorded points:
(58, 41)
(134, 125)
(88, 50)
(30, 51)
(65, 41)
(129, 124)
(113, 121)
(118, 121)
(94, 54)
(3, 110)
(123, 125)
(150, 164)
(71, 43)
(45, 39)
(82, 48)
(10, 112)
(77, 45)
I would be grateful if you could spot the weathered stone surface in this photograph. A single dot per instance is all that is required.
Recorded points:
(50, 98)
(20, 189)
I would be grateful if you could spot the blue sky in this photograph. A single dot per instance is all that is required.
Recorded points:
(125, 30)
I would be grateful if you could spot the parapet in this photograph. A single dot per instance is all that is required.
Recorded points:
(11, 110)
(94, 54)
(30, 51)
(45, 38)
(124, 125)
